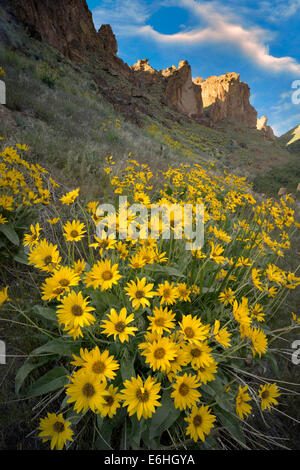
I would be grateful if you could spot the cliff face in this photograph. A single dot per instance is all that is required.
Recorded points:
(181, 91)
(67, 25)
(226, 97)
(178, 88)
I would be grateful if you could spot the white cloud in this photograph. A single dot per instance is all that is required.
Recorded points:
(222, 26)
(279, 10)
(221, 29)
(122, 14)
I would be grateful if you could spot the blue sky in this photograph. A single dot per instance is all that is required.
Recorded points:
(259, 40)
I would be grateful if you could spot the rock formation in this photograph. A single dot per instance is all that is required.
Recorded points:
(227, 97)
(67, 25)
(264, 128)
(145, 72)
(176, 84)
(108, 39)
(181, 91)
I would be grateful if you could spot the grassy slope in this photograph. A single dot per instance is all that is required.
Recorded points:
(291, 139)
(64, 126)
(286, 175)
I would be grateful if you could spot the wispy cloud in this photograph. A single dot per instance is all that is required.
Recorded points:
(222, 25)
(221, 29)
(126, 16)
(279, 10)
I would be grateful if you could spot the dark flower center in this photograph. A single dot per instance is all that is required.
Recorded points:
(167, 293)
(197, 421)
(77, 310)
(139, 294)
(58, 427)
(107, 275)
(88, 390)
(109, 400)
(74, 234)
(184, 389)
(159, 353)
(189, 332)
(58, 291)
(265, 394)
(64, 282)
(142, 396)
(196, 352)
(120, 326)
(159, 321)
(98, 367)
(48, 260)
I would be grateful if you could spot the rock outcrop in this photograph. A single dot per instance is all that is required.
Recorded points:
(184, 95)
(262, 125)
(146, 73)
(108, 39)
(68, 26)
(227, 97)
(178, 89)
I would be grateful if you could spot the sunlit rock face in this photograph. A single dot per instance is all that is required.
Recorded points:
(227, 97)
(262, 125)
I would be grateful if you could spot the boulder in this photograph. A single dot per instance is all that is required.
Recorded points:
(282, 191)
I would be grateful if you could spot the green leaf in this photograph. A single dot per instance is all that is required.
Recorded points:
(164, 417)
(216, 390)
(24, 371)
(45, 312)
(127, 369)
(167, 270)
(104, 433)
(59, 347)
(10, 234)
(231, 423)
(21, 257)
(51, 381)
(273, 363)
(136, 430)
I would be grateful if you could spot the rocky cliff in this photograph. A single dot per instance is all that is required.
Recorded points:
(181, 91)
(177, 86)
(262, 125)
(67, 25)
(227, 97)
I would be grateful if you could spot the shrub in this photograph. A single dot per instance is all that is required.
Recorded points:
(47, 74)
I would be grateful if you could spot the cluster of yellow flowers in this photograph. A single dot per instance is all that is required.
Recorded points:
(47, 73)
(111, 123)
(186, 141)
(21, 182)
(176, 319)
(2, 72)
